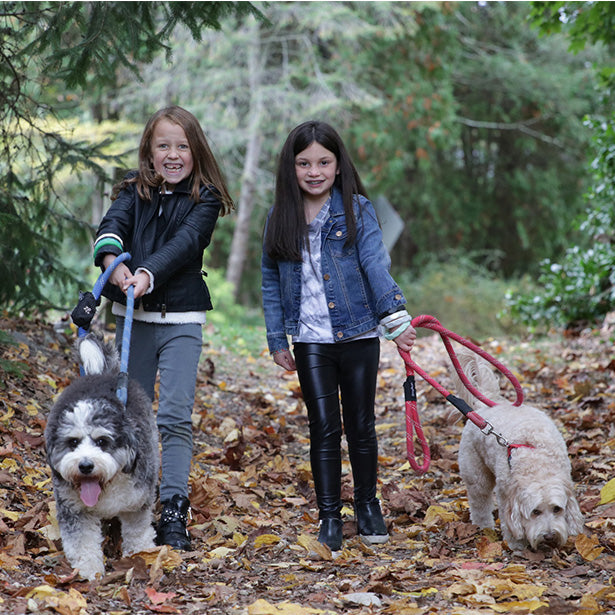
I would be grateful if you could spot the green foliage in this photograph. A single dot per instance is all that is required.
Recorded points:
(461, 291)
(581, 286)
(73, 38)
(231, 325)
(584, 22)
(476, 133)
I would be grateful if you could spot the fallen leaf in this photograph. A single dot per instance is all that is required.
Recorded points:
(262, 607)
(588, 547)
(158, 597)
(312, 546)
(607, 493)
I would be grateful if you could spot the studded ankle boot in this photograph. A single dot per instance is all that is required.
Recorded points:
(173, 521)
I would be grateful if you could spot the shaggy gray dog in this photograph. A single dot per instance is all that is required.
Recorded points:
(104, 460)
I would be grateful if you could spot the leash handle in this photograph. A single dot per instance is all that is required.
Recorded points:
(429, 322)
(103, 278)
(413, 423)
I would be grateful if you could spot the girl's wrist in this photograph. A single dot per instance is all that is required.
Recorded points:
(391, 335)
(390, 321)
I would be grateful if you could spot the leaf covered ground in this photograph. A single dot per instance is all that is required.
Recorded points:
(254, 522)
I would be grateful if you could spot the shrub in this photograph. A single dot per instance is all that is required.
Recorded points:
(466, 297)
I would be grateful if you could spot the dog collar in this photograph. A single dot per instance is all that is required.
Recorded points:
(511, 447)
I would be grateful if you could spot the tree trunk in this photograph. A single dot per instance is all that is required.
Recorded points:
(241, 234)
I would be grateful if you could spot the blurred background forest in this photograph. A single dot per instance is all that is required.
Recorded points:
(487, 126)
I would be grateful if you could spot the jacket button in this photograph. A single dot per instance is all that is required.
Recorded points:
(331, 304)
(340, 335)
(338, 234)
(326, 276)
(398, 297)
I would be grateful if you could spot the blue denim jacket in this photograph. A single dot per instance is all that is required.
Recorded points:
(357, 282)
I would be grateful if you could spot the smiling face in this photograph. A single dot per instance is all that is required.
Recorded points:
(171, 154)
(316, 168)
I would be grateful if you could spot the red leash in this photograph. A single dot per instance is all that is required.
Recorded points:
(413, 424)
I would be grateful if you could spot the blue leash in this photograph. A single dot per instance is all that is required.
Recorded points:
(85, 310)
(122, 380)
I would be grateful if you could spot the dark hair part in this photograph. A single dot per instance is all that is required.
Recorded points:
(287, 229)
(206, 171)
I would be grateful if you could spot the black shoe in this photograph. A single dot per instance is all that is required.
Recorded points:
(330, 533)
(370, 524)
(173, 521)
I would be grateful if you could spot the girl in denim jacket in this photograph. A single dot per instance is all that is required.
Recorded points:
(326, 284)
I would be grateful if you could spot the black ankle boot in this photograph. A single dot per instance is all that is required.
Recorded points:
(370, 524)
(331, 533)
(173, 521)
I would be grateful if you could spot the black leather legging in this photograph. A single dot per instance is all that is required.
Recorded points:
(326, 372)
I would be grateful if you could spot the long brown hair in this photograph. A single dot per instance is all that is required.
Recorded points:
(286, 227)
(206, 171)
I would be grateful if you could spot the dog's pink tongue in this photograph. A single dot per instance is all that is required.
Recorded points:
(90, 491)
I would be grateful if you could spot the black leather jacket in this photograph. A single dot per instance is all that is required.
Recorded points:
(172, 252)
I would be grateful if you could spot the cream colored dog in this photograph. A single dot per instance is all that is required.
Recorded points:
(534, 492)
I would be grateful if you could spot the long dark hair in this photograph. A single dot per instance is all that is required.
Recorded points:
(206, 171)
(287, 228)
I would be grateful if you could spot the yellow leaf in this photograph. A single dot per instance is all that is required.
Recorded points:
(311, 545)
(262, 607)
(437, 515)
(163, 556)
(607, 493)
(588, 547)
(239, 539)
(33, 408)
(380, 427)
(219, 553)
(47, 379)
(265, 540)
(419, 593)
(71, 603)
(7, 416)
(589, 606)
(522, 606)
(9, 514)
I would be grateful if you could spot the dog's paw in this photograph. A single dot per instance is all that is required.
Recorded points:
(90, 570)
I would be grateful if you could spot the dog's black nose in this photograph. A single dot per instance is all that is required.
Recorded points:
(550, 539)
(86, 466)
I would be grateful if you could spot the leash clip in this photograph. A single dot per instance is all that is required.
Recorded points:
(488, 431)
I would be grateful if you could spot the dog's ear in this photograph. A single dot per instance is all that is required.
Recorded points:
(131, 462)
(512, 514)
(574, 516)
(131, 451)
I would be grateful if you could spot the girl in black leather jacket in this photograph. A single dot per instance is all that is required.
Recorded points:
(164, 214)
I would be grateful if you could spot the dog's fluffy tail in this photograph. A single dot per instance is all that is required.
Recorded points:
(96, 356)
(479, 373)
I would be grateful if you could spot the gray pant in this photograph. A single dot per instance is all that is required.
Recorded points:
(174, 350)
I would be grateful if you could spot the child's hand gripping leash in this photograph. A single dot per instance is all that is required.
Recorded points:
(412, 418)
